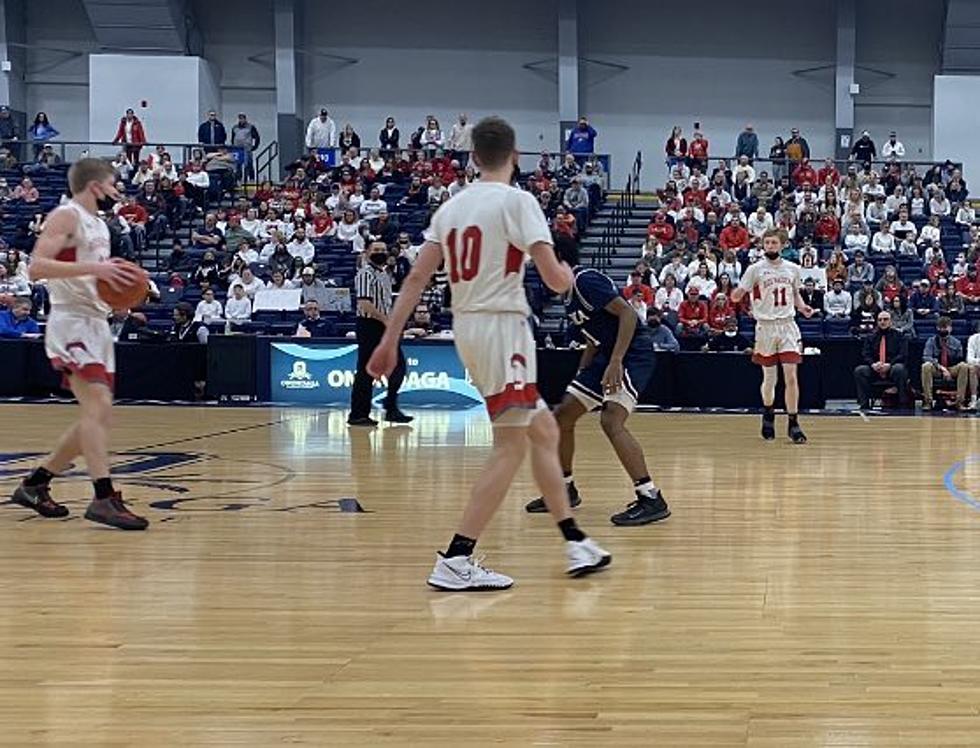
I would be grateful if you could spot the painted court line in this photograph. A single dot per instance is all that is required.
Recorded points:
(949, 480)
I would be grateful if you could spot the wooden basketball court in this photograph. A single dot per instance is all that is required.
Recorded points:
(823, 595)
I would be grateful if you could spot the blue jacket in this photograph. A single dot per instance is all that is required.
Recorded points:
(933, 350)
(204, 134)
(582, 141)
(10, 327)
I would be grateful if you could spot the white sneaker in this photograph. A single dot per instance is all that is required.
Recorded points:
(460, 574)
(973, 403)
(585, 557)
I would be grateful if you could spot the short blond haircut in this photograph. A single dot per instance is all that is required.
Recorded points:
(87, 170)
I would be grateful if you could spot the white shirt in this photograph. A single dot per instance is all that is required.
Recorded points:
(207, 311)
(706, 286)
(302, 249)
(238, 310)
(908, 226)
(692, 267)
(854, 242)
(759, 227)
(248, 255)
(882, 242)
(672, 299)
(321, 134)
(966, 215)
(372, 208)
(888, 150)
(819, 276)
(255, 227)
(929, 234)
(257, 284)
(772, 288)
(837, 304)
(679, 272)
(347, 231)
(973, 349)
(485, 233)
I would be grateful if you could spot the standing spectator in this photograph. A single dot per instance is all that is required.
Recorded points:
(131, 135)
(212, 131)
(581, 140)
(777, 154)
(9, 133)
(321, 132)
(40, 132)
(863, 151)
(797, 149)
(349, 139)
(943, 356)
(884, 353)
(389, 138)
(747, 144)
(893, 149)
(461, 139)
(432, 138)
(676, 149)
(697, 152)
(244, 135)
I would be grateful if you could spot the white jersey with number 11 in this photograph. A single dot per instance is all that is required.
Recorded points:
(485, 233)
(772, 289)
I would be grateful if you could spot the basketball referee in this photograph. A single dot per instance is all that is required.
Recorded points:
(372, 284)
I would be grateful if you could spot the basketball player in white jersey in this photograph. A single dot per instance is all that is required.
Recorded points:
(484, 234)
(775, 287)
(72, 254)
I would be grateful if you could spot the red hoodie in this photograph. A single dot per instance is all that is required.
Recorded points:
(734, 237)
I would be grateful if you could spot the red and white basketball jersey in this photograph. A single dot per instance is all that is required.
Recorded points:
(91, 244)
(485, 232)
(772, 289)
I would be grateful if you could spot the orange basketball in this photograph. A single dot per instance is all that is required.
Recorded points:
(128, 296)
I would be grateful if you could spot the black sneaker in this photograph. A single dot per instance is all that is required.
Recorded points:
(365, 421)
(537, 506)
(643, 511)
(114, 513)
(769, 426)
(396, 416)
(796, 434)
(39, 499)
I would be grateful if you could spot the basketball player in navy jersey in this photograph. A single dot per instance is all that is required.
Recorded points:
(616, 367)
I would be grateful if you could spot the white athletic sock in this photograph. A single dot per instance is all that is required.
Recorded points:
(569, 480)
(646, 488)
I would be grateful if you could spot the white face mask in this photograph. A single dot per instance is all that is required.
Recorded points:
(730, 333)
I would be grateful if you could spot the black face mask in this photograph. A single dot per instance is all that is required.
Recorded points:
(943, 334)
(379, 258)
(105, 204)
(772, 255)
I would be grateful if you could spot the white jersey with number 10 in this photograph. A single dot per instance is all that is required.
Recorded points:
(485, 233)
(772, 289)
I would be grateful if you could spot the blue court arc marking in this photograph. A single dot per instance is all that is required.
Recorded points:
(949, 480)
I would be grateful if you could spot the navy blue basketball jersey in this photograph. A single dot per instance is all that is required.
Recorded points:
(586, 308)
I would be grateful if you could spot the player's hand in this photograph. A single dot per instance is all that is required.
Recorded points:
(119, 274)
(612, 380)
(383, 360)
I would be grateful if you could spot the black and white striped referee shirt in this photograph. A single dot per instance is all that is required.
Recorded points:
(373, 285)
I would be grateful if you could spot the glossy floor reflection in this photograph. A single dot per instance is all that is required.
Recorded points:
(823, 595)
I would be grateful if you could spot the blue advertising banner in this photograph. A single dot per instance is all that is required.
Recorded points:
(323, 374)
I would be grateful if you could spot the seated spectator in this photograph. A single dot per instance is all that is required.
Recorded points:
(883, 242)
(208, 309)
(436, 192)
(348, 227)
(16, 322)
(901, 316)
(677, 268)
(720, 310)
(884, 353)
(302, 247)
(827, 229)
(950, 303)
(860, 272)
(703, 281)
(313, 325)
(889, 286)
(245, 253)
(186, 329)
(973, 361)
(13, 285)
(805, 174)
(939, 204)
(660, 229)
(210, 236)
(809, 271)
(692, 316)
(966, 216)
(943, 357)
(661, 336)
(238, 309)
(126, 326)
(313, 289)
(836, 266)
(576, 197)
(564, 223)
(968, 287)
(734, 237)
(923, 302)
(372, 207)
(249, 283)
(813, 296)
(235, 234)
(856, 240)
(931, 233)
(729, 341)
(637, 286)
(26, 191)
(759, 223)
(207, 272)
(865, 312)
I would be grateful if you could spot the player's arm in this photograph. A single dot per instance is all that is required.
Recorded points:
(385, 356)
(805, 309)
(59, 233)
(612, 379)
(744, 285)
(554, 272)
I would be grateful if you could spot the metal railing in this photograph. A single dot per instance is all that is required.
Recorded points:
(622, 211)
(264, 161)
